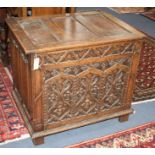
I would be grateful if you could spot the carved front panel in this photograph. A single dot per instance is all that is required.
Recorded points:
(83, 89)
(91, 92)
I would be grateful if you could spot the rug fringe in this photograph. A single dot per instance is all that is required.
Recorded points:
(145, 101)
(9, 74)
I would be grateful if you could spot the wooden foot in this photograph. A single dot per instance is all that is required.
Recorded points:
(39, 140)
(124, 118)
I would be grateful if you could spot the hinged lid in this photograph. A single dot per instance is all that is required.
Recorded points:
(51, 33)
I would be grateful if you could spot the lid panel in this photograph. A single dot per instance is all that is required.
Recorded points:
(69, 29)
(37, 31)
(101, 25)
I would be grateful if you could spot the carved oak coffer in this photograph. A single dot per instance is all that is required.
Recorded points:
(72, 70)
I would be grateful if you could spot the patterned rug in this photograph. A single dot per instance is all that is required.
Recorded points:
(150, 15)
(139, 137)
(145, 80)
(11, 123)
(128, 9)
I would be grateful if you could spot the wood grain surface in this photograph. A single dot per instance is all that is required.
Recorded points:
(51, 33)
(72, 70)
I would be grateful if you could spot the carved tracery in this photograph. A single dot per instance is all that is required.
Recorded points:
(84, 89)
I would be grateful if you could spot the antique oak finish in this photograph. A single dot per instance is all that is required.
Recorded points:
(72, 70)
(23, 12)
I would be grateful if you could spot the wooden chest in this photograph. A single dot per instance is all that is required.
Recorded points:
(72, 70)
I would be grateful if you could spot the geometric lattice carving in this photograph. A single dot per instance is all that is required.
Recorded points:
(75, 70)
(145, 80)
(89, 53)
